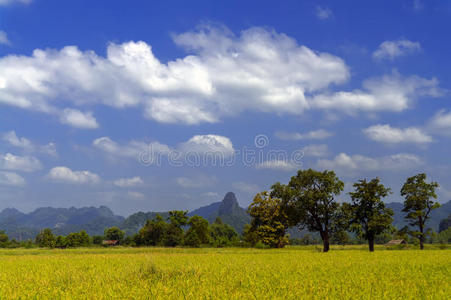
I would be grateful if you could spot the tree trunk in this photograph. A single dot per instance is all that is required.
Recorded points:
(325, 237)
(422, 234)
(371, 244)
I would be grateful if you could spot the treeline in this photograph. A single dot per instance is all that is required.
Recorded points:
(177, 230)
(309, 201)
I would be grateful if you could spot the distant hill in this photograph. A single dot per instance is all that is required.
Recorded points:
(23, 226)
(94, 220)
(228, 210)
(437, 215)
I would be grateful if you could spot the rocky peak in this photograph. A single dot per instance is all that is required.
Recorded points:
(229, 204)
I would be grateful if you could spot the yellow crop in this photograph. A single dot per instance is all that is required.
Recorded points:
(156, 273)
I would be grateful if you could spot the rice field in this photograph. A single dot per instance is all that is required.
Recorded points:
(157, 273)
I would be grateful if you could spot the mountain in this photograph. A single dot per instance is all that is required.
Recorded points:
(228, 210)
(23, 226)
(436, 215)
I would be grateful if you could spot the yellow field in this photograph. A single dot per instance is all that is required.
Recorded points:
(149, 273)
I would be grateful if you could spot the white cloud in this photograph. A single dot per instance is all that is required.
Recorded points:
(245, 187)
(268, 69)
(21, 142)
(391, 135)
(323, 13)
(277, 165)
(8, 2)
(440, 124)
(135, 194)
(66, 175)
(392, 49)
(19, 163)
(196, 181)
(210, 143)
(11, 179)
(141, 151)
(395, 162)
(295, 136)
(210, 194)
(128, 182)
(78, 119)
(4, 38)
(388, 93)
(316, 150)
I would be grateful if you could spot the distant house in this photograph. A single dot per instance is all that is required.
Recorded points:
(110, 242)
(396, 242)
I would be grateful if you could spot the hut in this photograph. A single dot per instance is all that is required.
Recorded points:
(110, 242)
(396, 242)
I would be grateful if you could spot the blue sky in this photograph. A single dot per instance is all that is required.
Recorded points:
(128, 103)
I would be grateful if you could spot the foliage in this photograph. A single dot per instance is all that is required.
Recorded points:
(445, 224)
(269, 220)
(222, 235)
(198, 232)
(114, 234)
(368, 215)
(418, 204)
(46, 238)
(309, 201)
(153, 232)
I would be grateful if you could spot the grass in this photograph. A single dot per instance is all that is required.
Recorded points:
(236, 273)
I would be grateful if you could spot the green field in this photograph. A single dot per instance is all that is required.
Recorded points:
(296, 272)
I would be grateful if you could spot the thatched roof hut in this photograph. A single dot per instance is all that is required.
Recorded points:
(396, 242)
(110, 242)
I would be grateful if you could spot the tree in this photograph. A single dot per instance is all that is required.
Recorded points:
(369, 216)
(309, 199)
(114, 234)
(418, 204)
(269, 220)
(4, 239)
(445, 224)
(222, 234)
(46, 238)
(340, 238)
(60, 242)
(174, 230)
(153, 232)
(198, 232)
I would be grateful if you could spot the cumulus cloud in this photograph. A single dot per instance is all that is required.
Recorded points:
(78, 119)
(295, 136)
(210, 143)
(395, 162)
(4, 38)
(268, 69)
(128, 182)
(11, 179)
(391, 135)
(441, 123)
(12, 139)
(196, 181)
(323, 13)
(138, 150)
(12, 162)
(277, 165)
(137, 195)
(392, 49)
(65, 175)
(316, 150)
(388, 93)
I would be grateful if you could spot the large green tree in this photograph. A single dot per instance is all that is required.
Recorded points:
(198, 232)
(269, 220)
(174, 230)
(114, 233)
(222, 234)
(309, 201)
(368, 214)
(153, 231)
(418, 204)
(46, 238)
